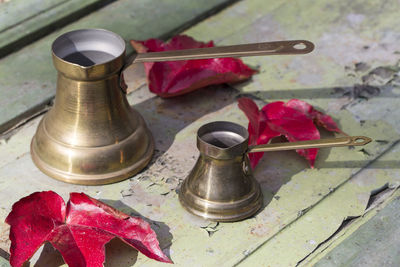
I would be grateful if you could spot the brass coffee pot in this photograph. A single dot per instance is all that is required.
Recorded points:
(91, 135)
(221, 186)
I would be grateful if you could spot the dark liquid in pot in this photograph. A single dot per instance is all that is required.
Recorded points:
(88, 58)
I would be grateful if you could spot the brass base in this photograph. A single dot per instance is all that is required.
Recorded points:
(221, 211)
(92, 165)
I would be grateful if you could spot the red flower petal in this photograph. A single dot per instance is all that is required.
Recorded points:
(173, 78)
(250, 109)
(79, 231)
(319, 118)
(294, 125)
(259, 132)
(80, 246)
(86, 211)
(294, 119)
(32, 220)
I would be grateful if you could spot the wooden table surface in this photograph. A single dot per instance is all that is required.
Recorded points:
(345, 212)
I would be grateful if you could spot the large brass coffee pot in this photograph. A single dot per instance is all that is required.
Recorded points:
(92, 135)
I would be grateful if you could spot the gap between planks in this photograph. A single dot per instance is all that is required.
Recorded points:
(21, 119)
(305, 211)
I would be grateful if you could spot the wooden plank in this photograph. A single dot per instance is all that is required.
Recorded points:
(25, 21)
(290, 188)
(27, 77)
(376, 243)
(314, 78)
(173, 123)
(336, 217)
(4, 263)
(153, 194)
(16, 11)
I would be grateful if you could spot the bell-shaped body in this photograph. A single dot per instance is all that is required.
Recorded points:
(91, 135)
(221, 186)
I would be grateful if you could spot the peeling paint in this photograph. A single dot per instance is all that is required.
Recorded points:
(302, 207)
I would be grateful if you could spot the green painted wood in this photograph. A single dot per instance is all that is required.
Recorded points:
(27, 77)
(376, 243)
(314, 234)
(4, 262)
(24, 21)
(291, 189)
(16, 11)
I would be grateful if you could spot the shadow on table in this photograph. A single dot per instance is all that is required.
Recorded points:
(49, 257)
(166, 117)
(388, 164)
(118, 254)
(277, 168)
(362, 92)
(122, 255)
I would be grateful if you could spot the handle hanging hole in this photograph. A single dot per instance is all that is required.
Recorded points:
(359, 140)
(300, 46)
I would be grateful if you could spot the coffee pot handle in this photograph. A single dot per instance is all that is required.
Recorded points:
(291, 47)
(128, 61)
(320, 143)
(121, 82)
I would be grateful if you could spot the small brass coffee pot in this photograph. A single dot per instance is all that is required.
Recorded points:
(92, 135)
(221, 186)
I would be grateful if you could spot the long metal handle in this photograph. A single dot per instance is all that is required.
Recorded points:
(244, 50)
(331, 142)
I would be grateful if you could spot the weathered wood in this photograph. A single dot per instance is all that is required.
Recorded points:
(294, 194)
(152, 193)
(376, 243)
(4, 263)
(17, 11)
(346, 33)
(27, 77)
(336, 217)
(25, 21)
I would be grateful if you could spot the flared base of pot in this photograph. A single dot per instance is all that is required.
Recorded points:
(92, 165)
(221, 211)
(94, 179)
